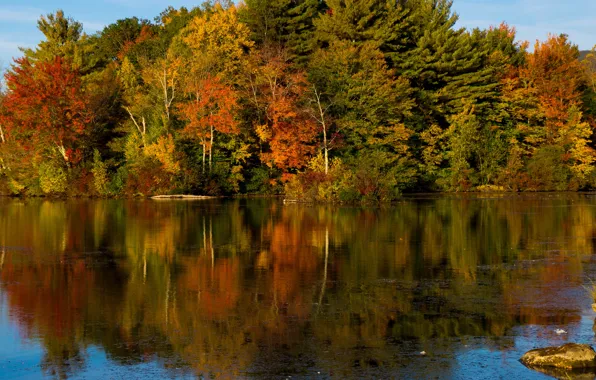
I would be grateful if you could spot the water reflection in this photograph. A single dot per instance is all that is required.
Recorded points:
(256, 287)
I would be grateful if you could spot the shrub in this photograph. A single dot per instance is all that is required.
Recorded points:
(261, 181)
(118, 181)
(52, 178)
(547, 170)
(101, 178)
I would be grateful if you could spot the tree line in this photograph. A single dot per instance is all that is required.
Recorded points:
(321, 100)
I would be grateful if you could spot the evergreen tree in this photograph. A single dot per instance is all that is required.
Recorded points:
(367, 103)
(301, 29)
(267, 20)
(64, 38)
(284, 24)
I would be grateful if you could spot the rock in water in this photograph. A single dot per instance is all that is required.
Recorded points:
(568, 356)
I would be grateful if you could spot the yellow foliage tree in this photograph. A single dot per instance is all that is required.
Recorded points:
(218, 41)
(164, 75)
(164, 151)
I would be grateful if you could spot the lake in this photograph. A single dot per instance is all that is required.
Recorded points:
(433, 286)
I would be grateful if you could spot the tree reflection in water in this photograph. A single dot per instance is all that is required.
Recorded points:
(243, 287)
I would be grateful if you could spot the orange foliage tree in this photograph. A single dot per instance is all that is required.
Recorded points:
(558, 76)
(210, 109)
(285, 126)
(544, 98)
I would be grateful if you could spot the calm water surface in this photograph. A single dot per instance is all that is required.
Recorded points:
(259, 289)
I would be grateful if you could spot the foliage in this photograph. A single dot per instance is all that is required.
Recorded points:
(330, 101)
(164, 151)
(547, 170)
(47, 106)
(218, 40)
(101, 179)
(283, 127)
(52, 178)
(284, 24)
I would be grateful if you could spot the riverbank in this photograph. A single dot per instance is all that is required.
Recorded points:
(291, 200)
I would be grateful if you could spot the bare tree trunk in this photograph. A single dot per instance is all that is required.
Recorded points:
(142, 129)
(3, 141)
(164, 85)
(167, 99)
(321, 120)
(211, 149)
(62, 151)
(326, 151)
(325, 146)
(204, 155)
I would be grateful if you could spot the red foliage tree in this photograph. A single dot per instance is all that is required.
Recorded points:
(46, 105)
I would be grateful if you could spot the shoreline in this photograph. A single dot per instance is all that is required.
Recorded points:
(287, 200)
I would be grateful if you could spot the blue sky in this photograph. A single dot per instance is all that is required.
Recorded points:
(533, 19)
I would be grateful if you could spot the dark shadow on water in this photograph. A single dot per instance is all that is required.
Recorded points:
(563, 374)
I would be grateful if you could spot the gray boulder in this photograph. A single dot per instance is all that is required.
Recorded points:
(567, 356)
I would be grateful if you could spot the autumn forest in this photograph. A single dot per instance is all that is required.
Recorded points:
(332, 101)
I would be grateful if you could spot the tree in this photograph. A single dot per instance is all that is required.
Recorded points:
(283, 124)
(557, 75)
(64, 38)
(210, 108)
(463, 142)
(2, 117)
(545, 99)
(319, 111)
(135, 98)
(116, 39)
(164, 151)
(359, 21)
(301, 29)
(469, 148)
(164, 75)
(46, 104)
(419, 41)
(368, 103)
(589, 63)
(267, 20)
(284, 24)
(218, 41)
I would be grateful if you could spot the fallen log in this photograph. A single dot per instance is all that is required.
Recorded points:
(181, 196)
